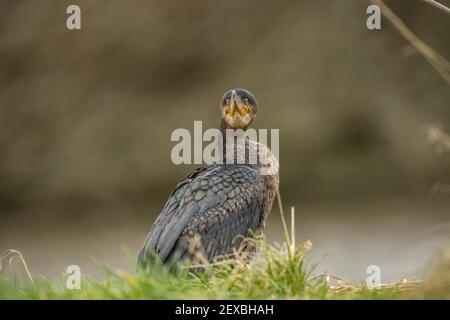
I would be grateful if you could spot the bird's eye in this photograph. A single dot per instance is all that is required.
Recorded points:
(227, 101)
(245, 100)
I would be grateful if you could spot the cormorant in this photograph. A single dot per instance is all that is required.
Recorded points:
(213, 209)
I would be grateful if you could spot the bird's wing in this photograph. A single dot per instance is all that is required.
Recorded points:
(220, 230)
(217, 203)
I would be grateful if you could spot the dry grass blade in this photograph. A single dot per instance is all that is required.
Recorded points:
(283, 221)
(437, 61)
(293, 227)
(438, 5)
(397, 286)
(11, 254)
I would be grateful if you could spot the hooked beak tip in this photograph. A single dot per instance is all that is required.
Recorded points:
(236, 105)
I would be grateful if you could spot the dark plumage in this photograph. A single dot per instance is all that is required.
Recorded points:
(215, 207)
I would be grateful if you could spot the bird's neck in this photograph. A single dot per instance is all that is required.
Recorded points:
(243, 148)
(224, 126)
(231, 141)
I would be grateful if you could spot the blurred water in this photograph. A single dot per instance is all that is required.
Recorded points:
(398, 236)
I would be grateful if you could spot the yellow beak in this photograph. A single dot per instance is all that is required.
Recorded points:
(236, 105)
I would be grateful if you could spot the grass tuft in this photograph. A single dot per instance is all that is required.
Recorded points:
(277, 271)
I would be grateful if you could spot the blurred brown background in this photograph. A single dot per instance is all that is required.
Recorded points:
(86, 118)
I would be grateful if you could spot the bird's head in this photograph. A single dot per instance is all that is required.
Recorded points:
(238, 107)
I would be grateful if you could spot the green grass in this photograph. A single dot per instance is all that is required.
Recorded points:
(276, 273)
